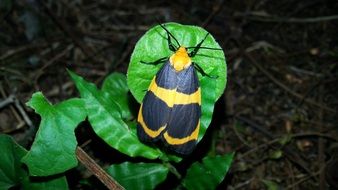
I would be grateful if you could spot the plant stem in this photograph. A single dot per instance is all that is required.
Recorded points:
(172, 169)
(92, 166)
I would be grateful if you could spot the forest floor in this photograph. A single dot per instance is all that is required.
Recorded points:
(279, 109)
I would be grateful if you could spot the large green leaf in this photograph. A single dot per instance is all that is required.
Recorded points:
(153, 45)
(105, 117)
(49, 183)
(209, 173)
(13, 174)
(138, 175)
(53, 150)
(116, 86)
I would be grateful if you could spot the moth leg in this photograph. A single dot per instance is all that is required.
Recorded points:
(172, 47)
(197, 47)
(200, 70)
(161, 60)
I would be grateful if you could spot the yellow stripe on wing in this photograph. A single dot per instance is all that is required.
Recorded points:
(172, 97)
(179, 141)
(151, 133)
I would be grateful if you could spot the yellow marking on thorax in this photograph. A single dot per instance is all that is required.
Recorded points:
(180, 59)
(179, 141)
(172, 97)
(151, 133)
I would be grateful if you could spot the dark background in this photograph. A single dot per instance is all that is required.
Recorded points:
(282, 78)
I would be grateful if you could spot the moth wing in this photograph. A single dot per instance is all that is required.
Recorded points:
(184, 122)
(154, 112)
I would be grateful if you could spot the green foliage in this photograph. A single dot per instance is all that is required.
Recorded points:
(138, 175)
(209, 173)
(49, 183)
(109, 112)
(116, 86)
(153, 45)
(10, 165)
(270, 185)
(105, 116)
(13, 174)
(276, 154)
(285, 139)
(55, 140)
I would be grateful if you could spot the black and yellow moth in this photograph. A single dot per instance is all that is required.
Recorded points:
(171, 109)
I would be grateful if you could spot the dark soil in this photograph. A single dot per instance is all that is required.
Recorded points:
(279, 110)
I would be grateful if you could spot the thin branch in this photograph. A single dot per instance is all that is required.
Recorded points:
(93, 167)
(23, 113)
(216, 9)
(321, 145)
(262, 17)
(305, 178)
(6, 101)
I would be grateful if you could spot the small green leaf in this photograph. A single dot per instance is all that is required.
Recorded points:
(209, 173)
(276, 154)
(270, 185)
(285, 139)
(153, 45)
(138, 175)
(242, 166)
(116, 86)
(105, 117)
(13, 174)
(53, 150)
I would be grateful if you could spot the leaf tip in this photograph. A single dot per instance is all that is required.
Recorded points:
(71, 73)
(37, 98)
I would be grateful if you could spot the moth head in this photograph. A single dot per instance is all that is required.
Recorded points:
(180, 59)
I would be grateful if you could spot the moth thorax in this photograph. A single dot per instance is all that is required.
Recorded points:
(180, 59)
